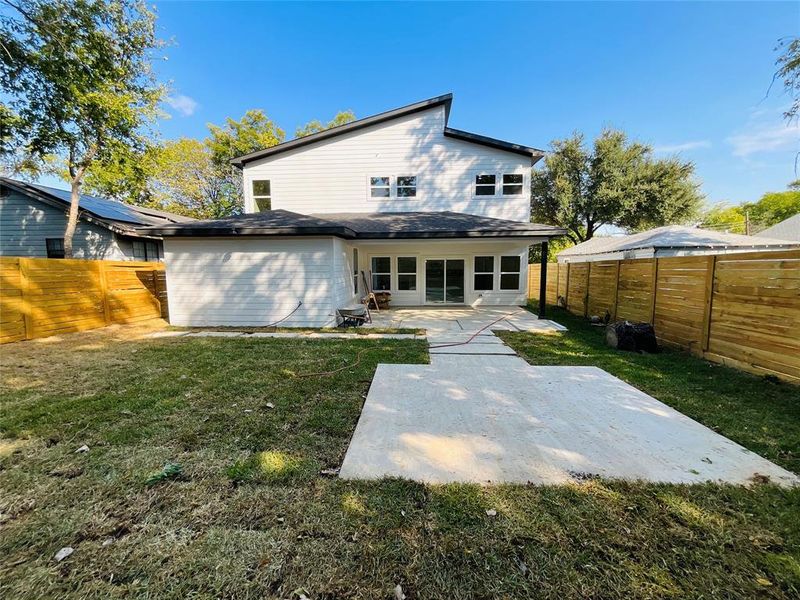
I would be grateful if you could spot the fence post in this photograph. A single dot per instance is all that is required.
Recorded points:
(24, 287)
(101, 271)
(586, 293)
(654, 287)
(543, 282)
(616, 291)
(711, 266)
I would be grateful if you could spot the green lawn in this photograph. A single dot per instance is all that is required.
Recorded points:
(250, 515)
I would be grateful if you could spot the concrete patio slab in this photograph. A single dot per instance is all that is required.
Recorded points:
(498, 419)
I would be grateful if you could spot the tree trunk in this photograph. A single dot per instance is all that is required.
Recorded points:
(72, 218)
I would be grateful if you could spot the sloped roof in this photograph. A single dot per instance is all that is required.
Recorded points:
(115, 215)
(445, 100)
(405, 225)
(671, 237)
(788, 229)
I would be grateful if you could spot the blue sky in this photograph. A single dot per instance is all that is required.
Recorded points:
(685, 77)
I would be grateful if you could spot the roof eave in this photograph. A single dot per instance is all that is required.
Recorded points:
(443, 100)
(535, 154)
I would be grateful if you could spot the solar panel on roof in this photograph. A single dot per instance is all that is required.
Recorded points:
(105, 209)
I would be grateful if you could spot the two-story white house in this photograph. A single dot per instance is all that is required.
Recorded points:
(432, 214)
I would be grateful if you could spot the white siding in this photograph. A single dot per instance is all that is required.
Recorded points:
(466, 250)
(343, 293)
(25, 224)
(332, 176)
(253, 281)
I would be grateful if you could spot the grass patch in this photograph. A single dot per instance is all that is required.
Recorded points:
(353, 330)
(250, 516)
(757, 412)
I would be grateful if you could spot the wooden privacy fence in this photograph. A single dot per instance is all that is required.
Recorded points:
(742, 310)
(40, 297)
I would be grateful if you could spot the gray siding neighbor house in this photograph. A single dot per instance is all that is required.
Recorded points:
(33, 218)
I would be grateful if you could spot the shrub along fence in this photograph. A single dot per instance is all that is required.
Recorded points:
(40, 297)
(742, 310)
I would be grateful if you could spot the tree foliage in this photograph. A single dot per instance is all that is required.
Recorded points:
(615, 182)
(188, 176)
(788, 64)
(78, 85)
(770, 209)
(342, 118)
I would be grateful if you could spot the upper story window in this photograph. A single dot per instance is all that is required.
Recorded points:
(499, 184)
(380, 187)
(262, 194)
(407, 186)
(55, 247)
(484, 185)
(512, 184)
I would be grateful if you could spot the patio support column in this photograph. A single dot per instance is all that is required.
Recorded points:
(543, 282)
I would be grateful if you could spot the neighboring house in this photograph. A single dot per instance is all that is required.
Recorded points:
(33, 218)
(788, 230)
(434, 215)
(672, 240)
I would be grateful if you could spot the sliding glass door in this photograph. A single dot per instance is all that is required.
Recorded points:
(444, 281)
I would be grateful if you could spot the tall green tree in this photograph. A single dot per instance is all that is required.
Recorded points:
(78, 81)
(342, 118)
(188, 176)
(613, 182)
(770, 209)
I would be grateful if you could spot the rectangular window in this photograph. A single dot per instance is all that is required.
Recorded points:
(381, 273)
(355, 270)
(380, 187)
(55, 247)
(484, 185)
(512, 184)
(407, 187)
(145, 251)
(407, 273)
(509, 272)
(262, 194)
(484, 273)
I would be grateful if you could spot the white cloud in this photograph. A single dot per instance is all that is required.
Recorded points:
(184, 105)
(771, 138)
(672, 148)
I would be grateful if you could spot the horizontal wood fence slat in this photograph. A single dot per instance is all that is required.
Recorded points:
(742, 309)
(40, 297)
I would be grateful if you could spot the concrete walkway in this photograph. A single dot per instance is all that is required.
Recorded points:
(479, 413)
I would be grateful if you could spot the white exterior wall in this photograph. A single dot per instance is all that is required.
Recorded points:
(332, 175)
(253, 281)
(466, 250)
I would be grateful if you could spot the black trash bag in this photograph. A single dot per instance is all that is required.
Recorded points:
(632, 337)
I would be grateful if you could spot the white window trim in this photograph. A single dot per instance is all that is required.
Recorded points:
(398, 272)
(392, 270)
(392, 197)
(498, 184)
(397, 186)
(521, 184)
(518, 273)
(474, 183)
(254, 199)
(493, 273)
(370, 186)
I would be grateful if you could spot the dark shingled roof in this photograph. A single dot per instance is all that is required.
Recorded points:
(402, 225)
(446, 100)
(112, 214)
